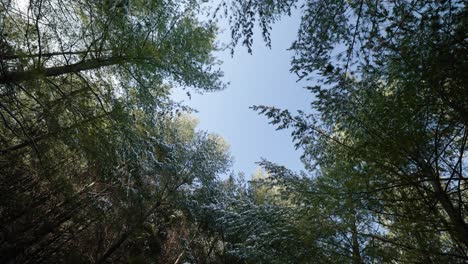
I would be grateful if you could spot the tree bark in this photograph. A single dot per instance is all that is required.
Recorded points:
(116, 245)
(47, 55)
(459, 229)
(21, 76)
(357, 259)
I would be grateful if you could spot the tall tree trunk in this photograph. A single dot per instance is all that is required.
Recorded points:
(21, 76)
(47, 55)
(116, 245)
(35, 140)
(459, 228)
(357, 259)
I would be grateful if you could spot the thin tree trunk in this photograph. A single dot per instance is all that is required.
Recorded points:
(21, 76)
(116, 245)
(35, 140)
(47, 55)
(459, 229)
(357, 259)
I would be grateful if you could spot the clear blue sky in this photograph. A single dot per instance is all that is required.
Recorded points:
(262, 78)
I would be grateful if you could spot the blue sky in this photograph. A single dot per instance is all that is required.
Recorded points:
(261, 78)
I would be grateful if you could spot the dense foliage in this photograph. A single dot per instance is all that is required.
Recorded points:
(96, 161)
(385, 140)
(99, 165)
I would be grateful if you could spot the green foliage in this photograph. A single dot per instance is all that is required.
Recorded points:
(384, 144)
(99, 165)
(96, 159)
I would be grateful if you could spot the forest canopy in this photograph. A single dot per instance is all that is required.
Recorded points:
(100, 165)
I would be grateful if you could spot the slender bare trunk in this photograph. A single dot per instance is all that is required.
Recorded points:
(21, 76)
(48, 55)
(459, 228)
(357, 259)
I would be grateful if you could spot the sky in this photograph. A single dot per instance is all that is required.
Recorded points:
(261, 78)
